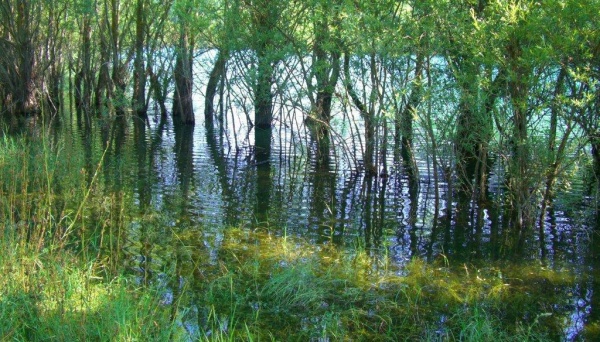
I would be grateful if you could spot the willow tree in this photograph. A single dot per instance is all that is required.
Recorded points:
(20, 72)
(477, 82)
(84, 75)
(408, 63)
(577, 44)
(225, 16)
(367, 27)
(531, 65)
(158, 67)
(116, 51)
(32, 40)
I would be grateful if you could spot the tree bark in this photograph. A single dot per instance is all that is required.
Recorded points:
(367, 116)
(518, 173)
(216, 74)
(182, 102)
(406, 119)
(263, 97)
(326, 70)
(139, 82)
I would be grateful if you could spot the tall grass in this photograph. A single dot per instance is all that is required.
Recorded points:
(55, 284)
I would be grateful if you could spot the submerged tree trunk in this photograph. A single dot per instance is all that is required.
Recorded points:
(184, 159)
(264, 179)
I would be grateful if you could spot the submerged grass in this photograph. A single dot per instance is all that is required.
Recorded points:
(281, 288)
(65, 276)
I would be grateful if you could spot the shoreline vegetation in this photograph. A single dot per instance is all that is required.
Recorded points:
(64, 277)
(299, 170)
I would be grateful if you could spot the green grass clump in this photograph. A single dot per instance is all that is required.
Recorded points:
(58, 297)
(284, 288)
(58, 282)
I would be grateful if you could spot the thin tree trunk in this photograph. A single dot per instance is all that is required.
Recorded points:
(552, 172)
(139, 82)
(367, 118)
(406, 119)
(217, 73)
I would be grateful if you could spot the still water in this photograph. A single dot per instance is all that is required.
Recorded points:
(191, 185)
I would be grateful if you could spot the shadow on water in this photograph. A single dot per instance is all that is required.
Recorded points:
(184, 163)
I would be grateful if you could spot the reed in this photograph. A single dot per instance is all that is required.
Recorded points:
(55, 284)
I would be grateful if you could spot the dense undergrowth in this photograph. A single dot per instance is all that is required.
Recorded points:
(66, 275)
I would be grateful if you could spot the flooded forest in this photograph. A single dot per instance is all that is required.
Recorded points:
(300, 170)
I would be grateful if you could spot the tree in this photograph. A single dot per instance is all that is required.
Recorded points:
(183, 76)
(139, 78)
(264, 19)
(20, 75)
(325, 70)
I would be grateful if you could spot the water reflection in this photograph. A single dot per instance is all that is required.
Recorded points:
(264, 179)
(269, 182)
(190, 184)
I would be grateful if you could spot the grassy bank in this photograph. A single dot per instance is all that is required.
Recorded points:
(66, 274)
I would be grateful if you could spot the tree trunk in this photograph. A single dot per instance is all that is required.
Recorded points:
(103, 90)
(159, 94)
(552, 172)
(182, 102)
(327, 77)
(518, 173)
(406, 119)
(139, 81)
(18, 63)
(367, 116)
(263, 97)
(217, 73)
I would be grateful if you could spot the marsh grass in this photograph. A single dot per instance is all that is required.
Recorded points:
(64, 276)
(57, 283)
(278, 288)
